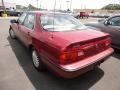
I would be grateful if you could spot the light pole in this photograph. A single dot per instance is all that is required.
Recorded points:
(3, 6)
(60, 4)
(67, 4)
(71, 5)
(40, 4)
(37, 4)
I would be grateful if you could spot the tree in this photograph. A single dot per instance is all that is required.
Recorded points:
(111, 7)
(30, 7)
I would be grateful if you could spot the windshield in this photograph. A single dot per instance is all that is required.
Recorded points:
(60, 22)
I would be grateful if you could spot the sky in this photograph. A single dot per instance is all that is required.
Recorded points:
(76, 4)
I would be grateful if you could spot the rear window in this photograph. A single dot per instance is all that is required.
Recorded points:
(60, 22)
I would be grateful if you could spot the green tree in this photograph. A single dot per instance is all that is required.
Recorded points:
(111, 7)
(31, 7)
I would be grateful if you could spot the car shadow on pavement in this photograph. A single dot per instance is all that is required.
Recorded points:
(48, 81)
(116, 53)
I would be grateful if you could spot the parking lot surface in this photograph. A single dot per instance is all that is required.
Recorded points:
(18, 73)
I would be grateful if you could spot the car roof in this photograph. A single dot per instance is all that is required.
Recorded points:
(118, 15)
(46, 12)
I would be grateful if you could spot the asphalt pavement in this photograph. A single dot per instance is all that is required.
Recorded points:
(18, 73)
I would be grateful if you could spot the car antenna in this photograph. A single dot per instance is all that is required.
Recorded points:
(54, 18)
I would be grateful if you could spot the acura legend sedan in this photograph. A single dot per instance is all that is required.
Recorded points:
(61, 42)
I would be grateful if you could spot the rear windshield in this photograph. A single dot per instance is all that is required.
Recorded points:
(60, 22)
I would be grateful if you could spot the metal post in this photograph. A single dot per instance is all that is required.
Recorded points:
(40, 4)
(67, 4)
(60, 4)
(71, 5)
(3, 6)
(37, 4)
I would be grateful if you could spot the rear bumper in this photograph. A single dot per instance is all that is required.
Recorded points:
(80, 67)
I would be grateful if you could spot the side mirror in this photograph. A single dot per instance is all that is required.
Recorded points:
(108, 23)
(13, 21)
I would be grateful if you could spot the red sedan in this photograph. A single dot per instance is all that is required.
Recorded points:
(61, 42)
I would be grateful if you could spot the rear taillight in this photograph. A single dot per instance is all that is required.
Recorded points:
(71, 56)
(108, 42)
(79, 52)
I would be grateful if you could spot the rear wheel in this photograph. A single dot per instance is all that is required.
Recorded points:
(37, 61)
(12, 33)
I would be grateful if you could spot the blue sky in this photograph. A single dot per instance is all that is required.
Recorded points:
(49, 4)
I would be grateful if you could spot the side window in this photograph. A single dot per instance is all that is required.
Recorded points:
(115, 21)
(44, 20)
(22, 17)
(29, 21)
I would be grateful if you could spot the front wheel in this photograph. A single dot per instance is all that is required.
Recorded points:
(12, 33)
(37, 61)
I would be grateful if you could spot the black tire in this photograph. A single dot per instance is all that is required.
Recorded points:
(12, 33)
(37, 63)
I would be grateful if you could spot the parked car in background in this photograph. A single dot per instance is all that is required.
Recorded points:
(61, 42)
(84, 14)
(81, 15)
(1, 7)
(11, 12)
(110, 25)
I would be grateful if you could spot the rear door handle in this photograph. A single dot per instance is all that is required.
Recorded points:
(28, 33)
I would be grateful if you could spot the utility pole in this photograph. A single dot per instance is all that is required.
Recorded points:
(40, 4)
(3, 6)
(37, 4)
(71, 5)
(67, 4)
(60, 4)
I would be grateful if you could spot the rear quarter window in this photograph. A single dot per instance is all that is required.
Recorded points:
(22, 18)
(29, 21)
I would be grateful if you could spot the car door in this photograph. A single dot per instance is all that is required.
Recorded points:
(27, 29)
(16, 26)
(113, 28)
